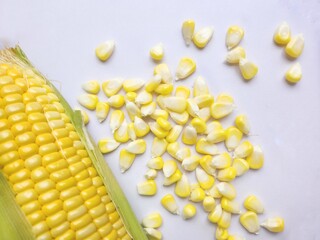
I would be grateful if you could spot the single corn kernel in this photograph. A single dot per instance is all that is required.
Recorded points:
(116, 101)
(241, 166)
(157, 130)
(153, 83)
(130, 96)
(185, 68)
(154, 234)
(147, 188)
(225, 98)
(221, 109)
(88, 101)
(160, 102)
(151, 174)
(170, 204)
(242, 124)
(199, 125)
(230, 206)
(197, 194)
(213, 192)
(188, 30)
(116, 119)
(234, 36)
(204, 147)
(221, 161)
(206, 181)
(227, 174)
(295, 47)
(173, 178)
(282, 34)
(174, 133)
(165, 124)
(204, 113)
(126, 159)
(200, 87)
(294, 73)
(157, 52)
(248, 69)
(249, 220)
(226, 190)
(180, 118)
(202, 37)
(275, 224)
(131, 132)
(183, 153)
(121, 134)
(164, 89)
(102, 110)
(107, 145)
(191, 163)
(105, 50)
(159, 146)
(159, 113)
(215, 215)
(133, 84)
(189, 211)
(192, 108)
(175, 104)
(233, 138)
(208, 203)
(182, 91)
(234, 55)
(169, 168)
(225, 219)
(133, 110)
(243, 150)
(173, 148)
(235, 237)
(91, 86)
(143, 98)
(137, 146)
(152, 220)
(148, 109)
(155, 163)
(162, 69)
(189, 135)
(111, 87)
(252, 203)
(222, 233)
(205, 163)
(256, 159)
(141, 128)
(182, 188)
(204, 100)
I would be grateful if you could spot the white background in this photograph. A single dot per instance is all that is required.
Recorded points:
(60, 36)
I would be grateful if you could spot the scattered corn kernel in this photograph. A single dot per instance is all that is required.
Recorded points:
(204, 100)
(200, 87)
(173, 148)
(111, 87)
(234, 36)
(221, 161)
(169, 168)
(215, 215)
(137, 146)
(174, 133)
(213, 192)
(180, 118)
(133, 84)
(165, 124)
(107, 145)
(157, 130)
(162, 69)
(226, 190)
(188, 30)
(256, 159)
(282, 34)
(153, 234)
(131, 131)
(205, 163)
(164, 89)
(189, 211)
(242, 123)
(116, 101)
(230, 206)
(88, 101)
(204, 147)
(143, 98)
(202, 37)
(141, 128)
(294, 73)
(155, 163)
(159, 113)
(199, 125)
(249, 220)
(105, 50)
(153, 83)
(221, 109)
(133, 110)
(227, 174)
(182, 91)
(197, 194)
(102, 110)
(185, 68)
(248, 69)
(241, 166)
(147, 188)
(233, 138)
(175, 104)
(182, 188)
(159, 146)
(191, 163)
(126, 159)
(295, 46)
(252, 203)
(148, 109)
(157, 52)
(208, 203)
(225, 219)
(243, 150)
(91, 86)
(183, 153)
(221, 233)
(275, 224)
(116, 119)
(152, 220)
(151, 174)
(206, 181)
(121, 134)
(189, 135)
(192, 107)
(234, 55)
(169, 203)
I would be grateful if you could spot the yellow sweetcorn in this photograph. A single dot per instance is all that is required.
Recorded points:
(137, 146)
(143, 98)
(88, 101)
(104, 50)
(221, 161)
(173, 178)
(242, 123)
(248, 69)
(222, 233)
(243, 150)
(205, 163)
(234, 36)
(241, 166)
(151, 174)
(158, 131)
(102, 110)
(221, 109)
(164, 89)
(159, 113)
(130, 96)
(188, 30)
(202, 37)
(208, 203)
(159, 147)
(160, 101)
(282, 34)
(230, 206)
(205, 180)
(163, 70)
(175, 104)
(295, 46)
(155, 163)
(191, 163)
(225, 219)
(121, 134)
(133, 84)
(189, 211)
(275, 224)
(226, 190)
(133, 110)
(233, 138)
(182, 188)
(182, 91)
(199, 125)
(204, 113)
(116, 101)
(192, 108)
(204, 100)
(197, 194)
(153, 83)
(174, 133)
(180, 118)
(173, 148)
(157, 52)
(141, 128)
(183, 153)
(131, 132)
(256, 159)
(234, 55)
(227, 174)
(204, 147)
(147, 188)
(91, 86)
(215, 215)
(185, 68)
(294, 73)
(152, 220)
(169, 168)
(148, 109)
(170, 204)
(189, 135)
(111, 87)
(249, 220)
(200, 87)
(165, 124)
(116, 119)
(126, 159)
(252, 203)
(107, 145)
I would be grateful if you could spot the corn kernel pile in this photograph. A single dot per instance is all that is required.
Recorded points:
(221, 153)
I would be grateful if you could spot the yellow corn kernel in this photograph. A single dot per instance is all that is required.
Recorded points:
(102, 110)
(294, 73)
(162, 69)
(204, 147)
(160, 102)
(247, 68)
(148, 109)
(183, 153)
(182, 188)
(174, 133)
(202, 37)
(137, 146)
(147, 188)
(256, 159)
(133, 110)
(159, 113)
(189, 211)
(221, 233)
(206, 181)
(199, 125)
(185, 68)
(225, 219)
(157, 52)
(249, 220)
(275, 224)
(91, 86)
(227, 174)
(205, 163)
(189, 135)
(226, 190)
(153, 83)
(180, 118)
(200, 87)
(234, 55)
(104, 50)
(111, 87)
(153, 234)
(125, 160)
(175, 104)
(233, 138)
(241, 166)
(252, 203)
(155, 163)
(182, 91)
(215, 215)
(107, 145)
(151, 174)
(133, 84)
(152, 220)
(234, 36)
(197, 194)
(116, 101)
(141, 128)
(204, 113)
(159, 147)
(282, 34)
(243, 150)
(221, 161)
(169, 168)
(295, 46)
(235, 237)
(143, 98)
(157, 130)
(205, 100)
(242, 124)
(173, 178)
(88, 101)
(116, 119)
(165, 124)
(230, 206)
(191, 163)
(131, 131)
(192, 108)
(208, 203)
(188, 30)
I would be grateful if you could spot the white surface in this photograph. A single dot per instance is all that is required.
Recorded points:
(60, 36)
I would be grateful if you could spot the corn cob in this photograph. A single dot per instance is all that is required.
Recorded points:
(62, 187)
